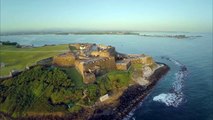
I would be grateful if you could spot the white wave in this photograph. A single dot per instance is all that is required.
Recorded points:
(170, 99)
(175, 97)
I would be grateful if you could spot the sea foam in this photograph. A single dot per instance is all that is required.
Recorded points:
(175, 96)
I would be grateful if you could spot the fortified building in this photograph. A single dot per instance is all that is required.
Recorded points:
(92, 60)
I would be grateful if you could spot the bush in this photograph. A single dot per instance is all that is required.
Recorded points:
(118, 79)
(93, 92)
(8, 43)
(20, 92)
(74, 108)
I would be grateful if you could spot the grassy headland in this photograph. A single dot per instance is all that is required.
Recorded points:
(45, 90)
(15, 58)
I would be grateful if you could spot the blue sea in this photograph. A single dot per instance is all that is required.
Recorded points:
(185, 93)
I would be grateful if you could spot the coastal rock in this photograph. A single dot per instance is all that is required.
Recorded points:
(132, 96)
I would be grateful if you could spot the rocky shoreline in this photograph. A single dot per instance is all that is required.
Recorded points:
(131, 97)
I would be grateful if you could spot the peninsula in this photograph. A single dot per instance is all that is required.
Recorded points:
(75, 81)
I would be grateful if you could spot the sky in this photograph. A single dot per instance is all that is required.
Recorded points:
(106, 15)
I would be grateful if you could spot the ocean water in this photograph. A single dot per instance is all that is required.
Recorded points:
(185, 93)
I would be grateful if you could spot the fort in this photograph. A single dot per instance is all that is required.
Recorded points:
(92, 60)
(80, 77)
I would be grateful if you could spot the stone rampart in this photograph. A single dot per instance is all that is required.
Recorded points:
(65, 60)
(142, 60)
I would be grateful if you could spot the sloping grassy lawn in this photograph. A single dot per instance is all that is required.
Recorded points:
(18, 58)
(75, 76)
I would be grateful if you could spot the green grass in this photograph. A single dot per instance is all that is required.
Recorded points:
(114, 75)
(75, 108)
(136, 69)
(75, 76)
(137, 66)
(113, 80)
(41, 105)
(19, 58)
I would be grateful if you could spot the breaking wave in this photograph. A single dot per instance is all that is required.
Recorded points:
(175, 96)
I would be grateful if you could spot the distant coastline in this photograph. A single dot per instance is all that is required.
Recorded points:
(176, 36)
(73, 33)
(171, 36)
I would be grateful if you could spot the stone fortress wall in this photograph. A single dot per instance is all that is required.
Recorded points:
(91, 59)
(90, 68)
(65, 59)
(141, 59)
(123, 65)
(102, 63)
(100, 57)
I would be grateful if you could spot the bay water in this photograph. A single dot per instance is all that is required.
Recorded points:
(195, 54)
